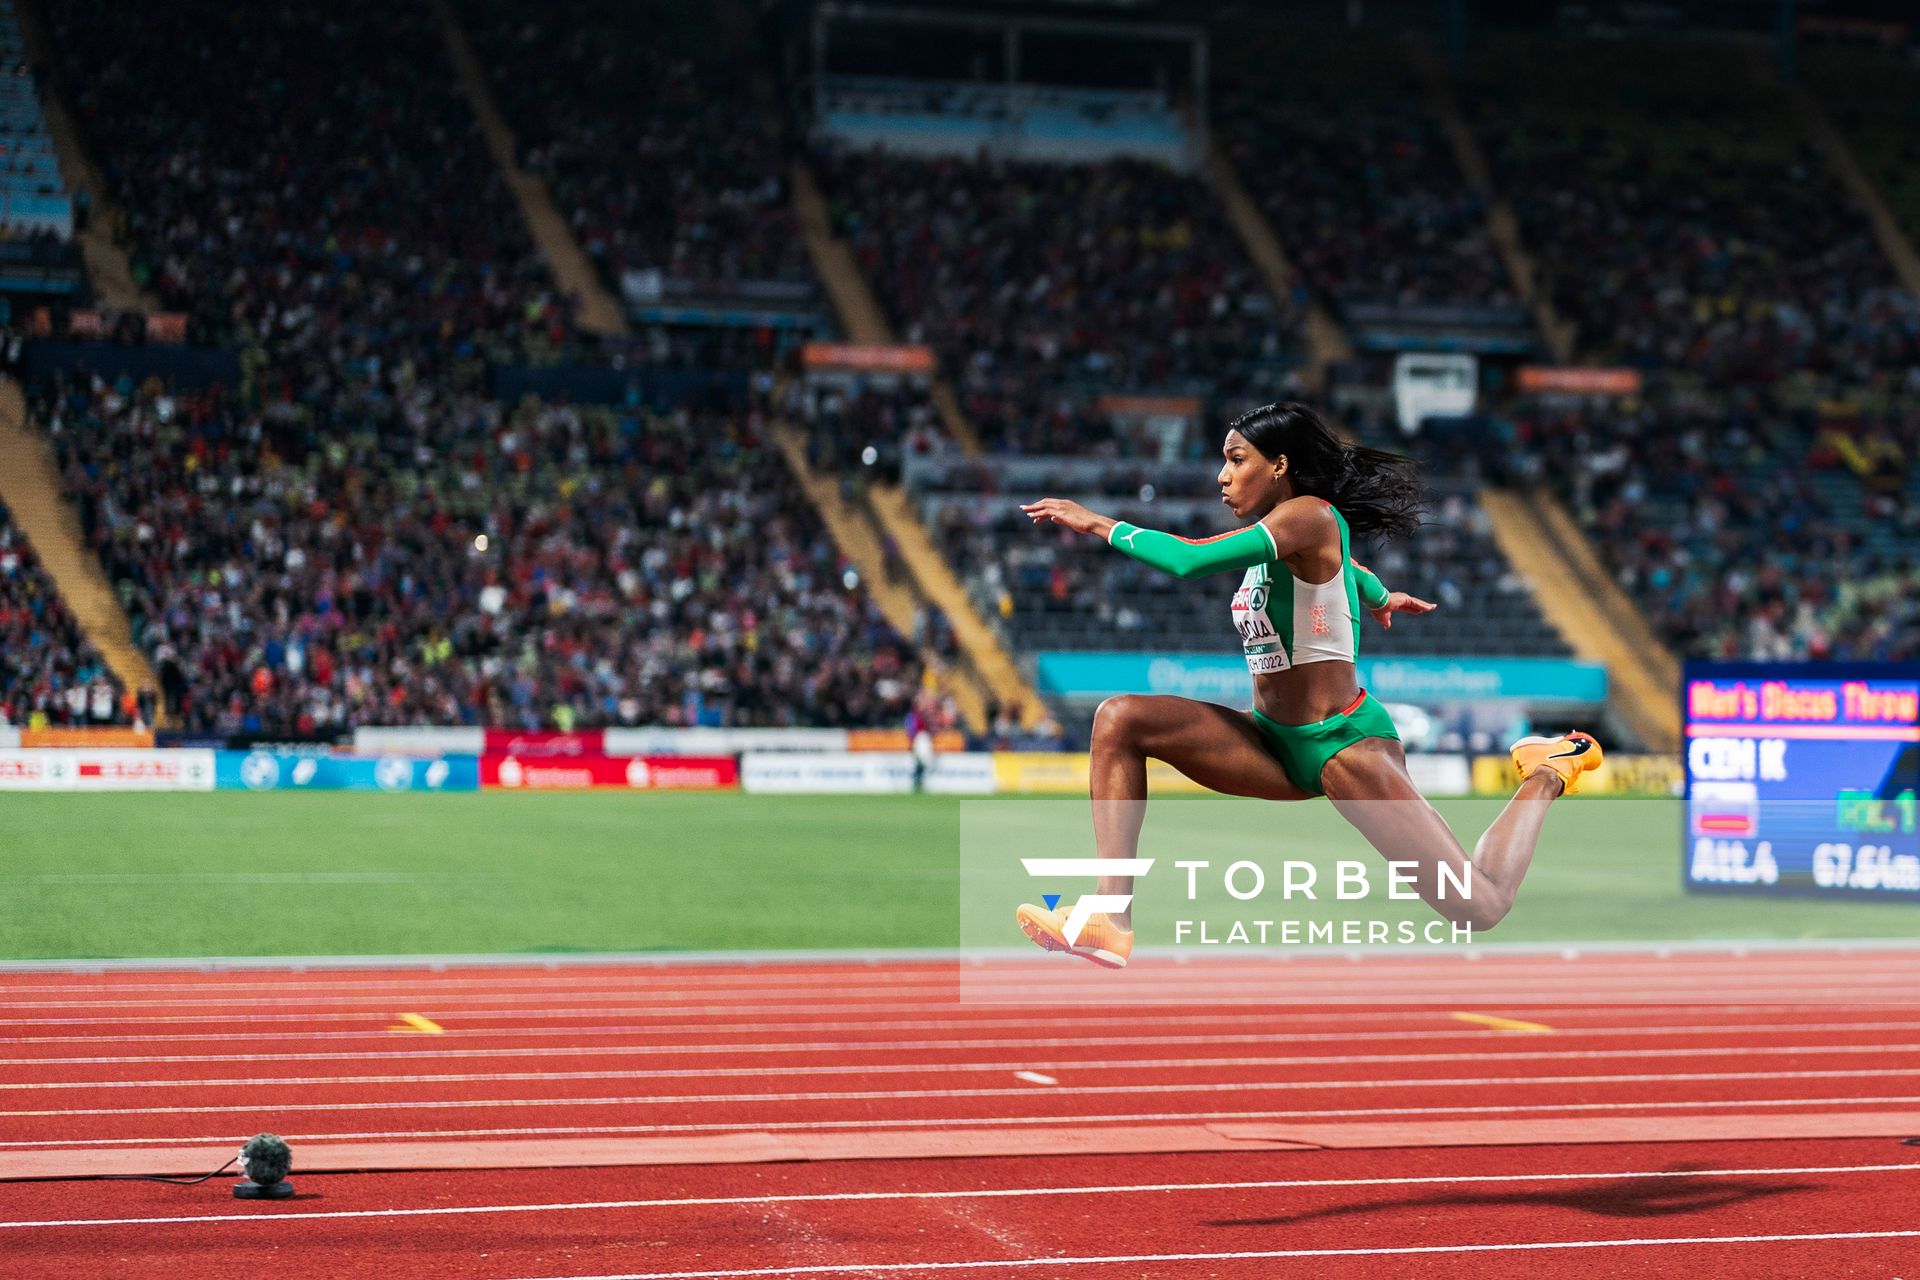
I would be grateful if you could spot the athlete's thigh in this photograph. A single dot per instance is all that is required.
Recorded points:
(1216, 746)
(1369, 784)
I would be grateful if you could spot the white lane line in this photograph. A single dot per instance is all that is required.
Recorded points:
(845, 958)
(869, 1095)
(958, 1122)
(765, 976)
(991, 1193)
(630, 979)
(1443, 1025)
(1024, 985)
(1383, 988)
(901, 1046)
(956, 1068)
(865, 1268)
(1385, 1006)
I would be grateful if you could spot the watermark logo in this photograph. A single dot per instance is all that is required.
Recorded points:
(1245, 881)
(1087, 903)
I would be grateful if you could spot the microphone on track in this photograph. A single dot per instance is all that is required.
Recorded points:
(265, 1160)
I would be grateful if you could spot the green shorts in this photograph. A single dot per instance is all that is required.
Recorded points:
(1304, 749)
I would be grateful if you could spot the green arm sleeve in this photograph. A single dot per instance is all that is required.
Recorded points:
(1186, 558)
(1372, 593)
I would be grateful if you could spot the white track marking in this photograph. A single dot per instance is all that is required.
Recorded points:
(853, 957)
(1170, 984)
(867, 1268)
(956, 1068)
(958, 1122)
(870, 1095)
(839, 960)
(993, 1193)
(1442, 1025)
(1283, 1011)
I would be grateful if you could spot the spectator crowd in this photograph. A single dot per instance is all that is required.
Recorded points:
(1683, 219)
(1335, 144)
(1735, 523)
(646, 139)
(438, 558)
(49, 674)
(307, 179)
(1041, 286)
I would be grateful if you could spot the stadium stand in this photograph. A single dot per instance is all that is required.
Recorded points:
(297, 553)
(1042, 286)
(1873, 93)
(862, 423)
(1056, 590)
(1753, 497)
(299, 575)
(1682, 217)
(653, 151)
(49, 674)
(1361, 186)
(255, 150)
(34, 204)
(1737, 522)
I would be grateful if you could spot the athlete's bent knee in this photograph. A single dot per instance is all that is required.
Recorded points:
(1120, 719)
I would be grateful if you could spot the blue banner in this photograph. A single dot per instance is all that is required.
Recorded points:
(1223, 677)
(291, 771)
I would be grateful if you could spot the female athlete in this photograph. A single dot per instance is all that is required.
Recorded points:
(1312, 731)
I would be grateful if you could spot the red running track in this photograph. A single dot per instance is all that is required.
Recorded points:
(128, 1062)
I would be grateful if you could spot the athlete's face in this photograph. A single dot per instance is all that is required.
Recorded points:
(1251, 483)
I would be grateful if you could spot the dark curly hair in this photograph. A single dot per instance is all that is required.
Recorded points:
(1378, 492)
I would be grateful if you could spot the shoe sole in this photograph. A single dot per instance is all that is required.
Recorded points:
(1047, 942)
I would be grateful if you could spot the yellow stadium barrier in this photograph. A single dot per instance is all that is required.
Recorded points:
(1066, 773)
(1617, 776)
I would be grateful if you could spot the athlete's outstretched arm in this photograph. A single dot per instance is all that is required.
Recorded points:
(1282, 531)
(1195, 557)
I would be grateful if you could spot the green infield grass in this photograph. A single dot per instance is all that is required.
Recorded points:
(293, 874)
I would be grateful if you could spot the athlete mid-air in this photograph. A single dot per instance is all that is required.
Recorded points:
(1312, 730)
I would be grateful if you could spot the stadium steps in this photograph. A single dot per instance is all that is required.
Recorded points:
(1327, 342)
(861, 315)
(1502, 225)
(864, 321)
(1590, 610)
(30, 486)
(1846, 166)
(944, 590)
(600, 312)
(108, 269)
(857, 539)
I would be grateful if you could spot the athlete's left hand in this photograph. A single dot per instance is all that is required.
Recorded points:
(1400, 602)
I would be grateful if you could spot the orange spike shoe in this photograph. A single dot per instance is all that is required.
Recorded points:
(1100, 939)
(1569, 755)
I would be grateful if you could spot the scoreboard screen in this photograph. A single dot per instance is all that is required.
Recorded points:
(1801, 778)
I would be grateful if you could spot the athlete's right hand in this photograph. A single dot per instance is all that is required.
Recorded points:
(1070, 514)
(1400, 602)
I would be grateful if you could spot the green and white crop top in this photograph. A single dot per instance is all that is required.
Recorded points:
(1283, 622)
